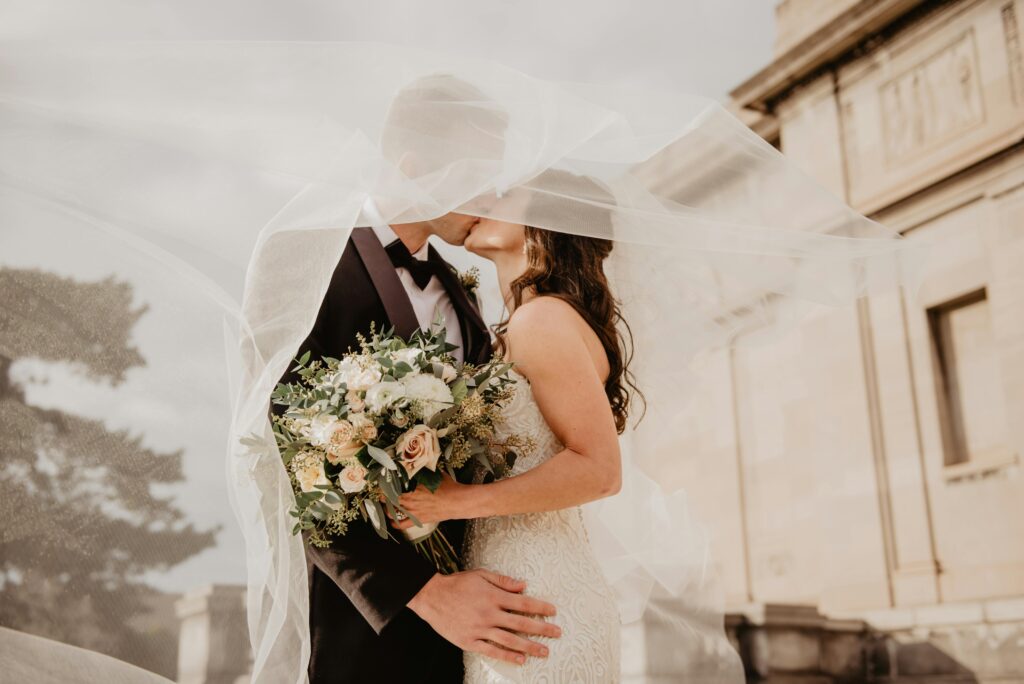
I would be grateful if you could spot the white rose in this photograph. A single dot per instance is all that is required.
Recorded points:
(321, 427)
(410, 356)
(384, 394)
(352, 479)
(355, 376)
(301, 426)
(431, 393)
(310, 473)
(418, 448)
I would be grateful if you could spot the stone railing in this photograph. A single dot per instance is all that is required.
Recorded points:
(779, 643)
(213, 646)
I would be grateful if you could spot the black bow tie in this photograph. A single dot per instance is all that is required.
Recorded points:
(422, 271)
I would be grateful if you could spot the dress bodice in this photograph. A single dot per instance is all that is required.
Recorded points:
(522, 417)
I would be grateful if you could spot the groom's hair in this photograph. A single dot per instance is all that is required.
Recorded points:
(441, 119)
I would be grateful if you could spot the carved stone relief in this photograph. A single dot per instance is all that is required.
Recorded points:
(936, 99)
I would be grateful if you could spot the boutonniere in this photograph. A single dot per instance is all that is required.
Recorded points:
(470, 280)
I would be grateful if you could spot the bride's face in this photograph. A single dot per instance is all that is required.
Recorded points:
(493, 239)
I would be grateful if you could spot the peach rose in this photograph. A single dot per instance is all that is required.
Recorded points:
(343, 442)
(418, 448)
(352, 479)
(366, 431)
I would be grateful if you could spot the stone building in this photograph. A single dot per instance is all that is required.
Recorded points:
(867, 467)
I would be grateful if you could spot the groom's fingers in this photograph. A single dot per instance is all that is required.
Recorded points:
(488, 649)
(502, 582)
(530, 626)
(513, 642)
(528, 605)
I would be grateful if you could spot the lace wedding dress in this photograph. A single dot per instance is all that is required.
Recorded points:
(551, 553)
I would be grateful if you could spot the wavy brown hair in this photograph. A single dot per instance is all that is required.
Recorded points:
(571, 268)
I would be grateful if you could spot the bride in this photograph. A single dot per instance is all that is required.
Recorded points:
(573, 398)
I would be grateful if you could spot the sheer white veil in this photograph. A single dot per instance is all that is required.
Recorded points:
(238, 170)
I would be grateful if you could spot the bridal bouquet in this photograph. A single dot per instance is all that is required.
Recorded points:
(358, 431)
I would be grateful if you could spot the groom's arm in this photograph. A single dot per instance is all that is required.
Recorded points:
(379, 576)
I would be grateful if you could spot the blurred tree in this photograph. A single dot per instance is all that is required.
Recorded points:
(79, 522)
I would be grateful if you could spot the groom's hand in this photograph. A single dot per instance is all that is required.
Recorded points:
(479, 610)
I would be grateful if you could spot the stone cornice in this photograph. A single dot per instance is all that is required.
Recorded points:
(827, 44)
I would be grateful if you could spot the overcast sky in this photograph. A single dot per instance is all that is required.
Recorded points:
(707, 46)
(176, 402)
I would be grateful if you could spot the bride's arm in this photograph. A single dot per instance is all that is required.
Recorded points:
(546, 342)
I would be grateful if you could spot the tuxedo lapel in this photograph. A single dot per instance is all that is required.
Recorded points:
(476, 339)
(385, 280)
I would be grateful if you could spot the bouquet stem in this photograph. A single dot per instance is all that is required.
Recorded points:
(434, 546)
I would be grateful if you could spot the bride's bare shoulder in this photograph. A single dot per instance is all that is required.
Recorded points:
(543, 325)
(542, 314)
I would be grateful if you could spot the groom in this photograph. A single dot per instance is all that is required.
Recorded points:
(379, 612)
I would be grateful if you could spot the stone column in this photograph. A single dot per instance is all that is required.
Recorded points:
(213, 645)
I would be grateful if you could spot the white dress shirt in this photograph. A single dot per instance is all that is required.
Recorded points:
(430, 299)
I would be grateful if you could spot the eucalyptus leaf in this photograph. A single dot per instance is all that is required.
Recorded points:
(381, 456)
(320, 510)
(442, 416)
(376, 515)
(459, 390)
(389, 490)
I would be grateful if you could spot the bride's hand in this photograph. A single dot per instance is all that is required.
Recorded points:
(430, 507)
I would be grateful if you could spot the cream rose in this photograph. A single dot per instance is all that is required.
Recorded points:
(352, 479)
(309, 471)
(418, 448)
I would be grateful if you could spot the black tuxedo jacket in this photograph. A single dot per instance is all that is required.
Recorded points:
(360, 626)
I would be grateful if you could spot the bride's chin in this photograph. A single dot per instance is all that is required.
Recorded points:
(476, 246)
